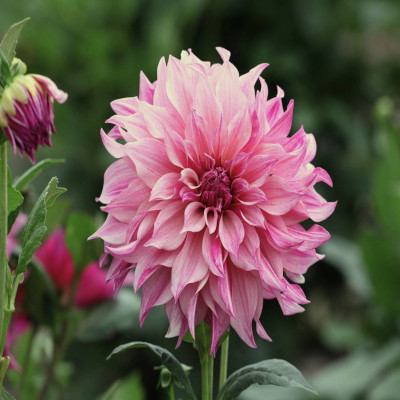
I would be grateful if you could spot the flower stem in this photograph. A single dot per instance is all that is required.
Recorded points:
(3, 235)
(171, 393)
(223, 371)
(203, 340)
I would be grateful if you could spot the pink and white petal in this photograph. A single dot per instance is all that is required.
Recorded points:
(125, 106)
(116, 149)
(112, 231)
(281, 128)
(244, 306)
(146, 89)
(150, 159)
(176, 148)
(194, 220)
(258, 169)
(219, 323)
(211, 218)
(189, 265)
(155, 291)
(167, 228)
(231, 231)
(253, 215)
(117, 178)
(213, 254)
(166, 187)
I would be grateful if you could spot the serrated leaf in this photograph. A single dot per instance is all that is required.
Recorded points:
(167, 359)
(5, 395)
(10, 39)
(79, 228)
(21, 182)
(269, 372)
(35, 227)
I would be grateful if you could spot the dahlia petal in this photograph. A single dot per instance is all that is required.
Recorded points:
(253, 216)
(281, 197)
(114, 148)
(247, 81)
(146, 89)
(50, 87)
(116, 178)
(269, 276)
(211, 218)
(167, 228)
(155, 291)
(249, 253)
(112, 231)
(212, 253)
(281, 128)
(190, 178)
(189, 266)
(197, 133)
(188, 303)
(224, 290)
(124, 206)
(231, 231)
(261, 332)
(175, 148)
(125, 106)
(150, 159)
(244, 306)
(220, 324)
(224, 54)
(177, 87)
(194, 217)
(166, 187)
(206, 104)
(258, 169)
(239, 132)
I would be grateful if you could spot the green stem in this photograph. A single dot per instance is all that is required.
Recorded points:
(3, 235)
(207, 364)
(6, 322)
(171, 393)
(223, 371)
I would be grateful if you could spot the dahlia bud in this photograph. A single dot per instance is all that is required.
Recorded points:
(26, 110)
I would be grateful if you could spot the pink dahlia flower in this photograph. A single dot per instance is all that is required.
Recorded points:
(26, 112)
(207, 197)
(58, 263)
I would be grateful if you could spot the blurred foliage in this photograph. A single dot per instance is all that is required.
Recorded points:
(336, 59)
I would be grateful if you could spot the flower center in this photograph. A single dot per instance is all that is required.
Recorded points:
(215, 188)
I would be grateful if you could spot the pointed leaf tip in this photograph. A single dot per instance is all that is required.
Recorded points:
(10, 39)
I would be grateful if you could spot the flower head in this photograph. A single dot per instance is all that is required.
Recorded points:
(58, 263)
(207, 197)
(26, 112)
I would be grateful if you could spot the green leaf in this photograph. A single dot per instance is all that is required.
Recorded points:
(40, 290)
(270, 372)
(167, 359)
(35, 227)
(126, 389)
(5, 395)
(21, 182)
(15, 199)
(79, 227)
(10, 39)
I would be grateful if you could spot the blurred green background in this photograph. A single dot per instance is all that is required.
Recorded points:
(340, 61)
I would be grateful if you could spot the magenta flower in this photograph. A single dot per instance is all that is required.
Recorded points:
(26, 112)
(58, 263)
(207, 197)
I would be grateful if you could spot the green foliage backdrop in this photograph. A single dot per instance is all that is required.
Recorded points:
(336, 59)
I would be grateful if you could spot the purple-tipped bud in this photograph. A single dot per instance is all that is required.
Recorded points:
(26, 112)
